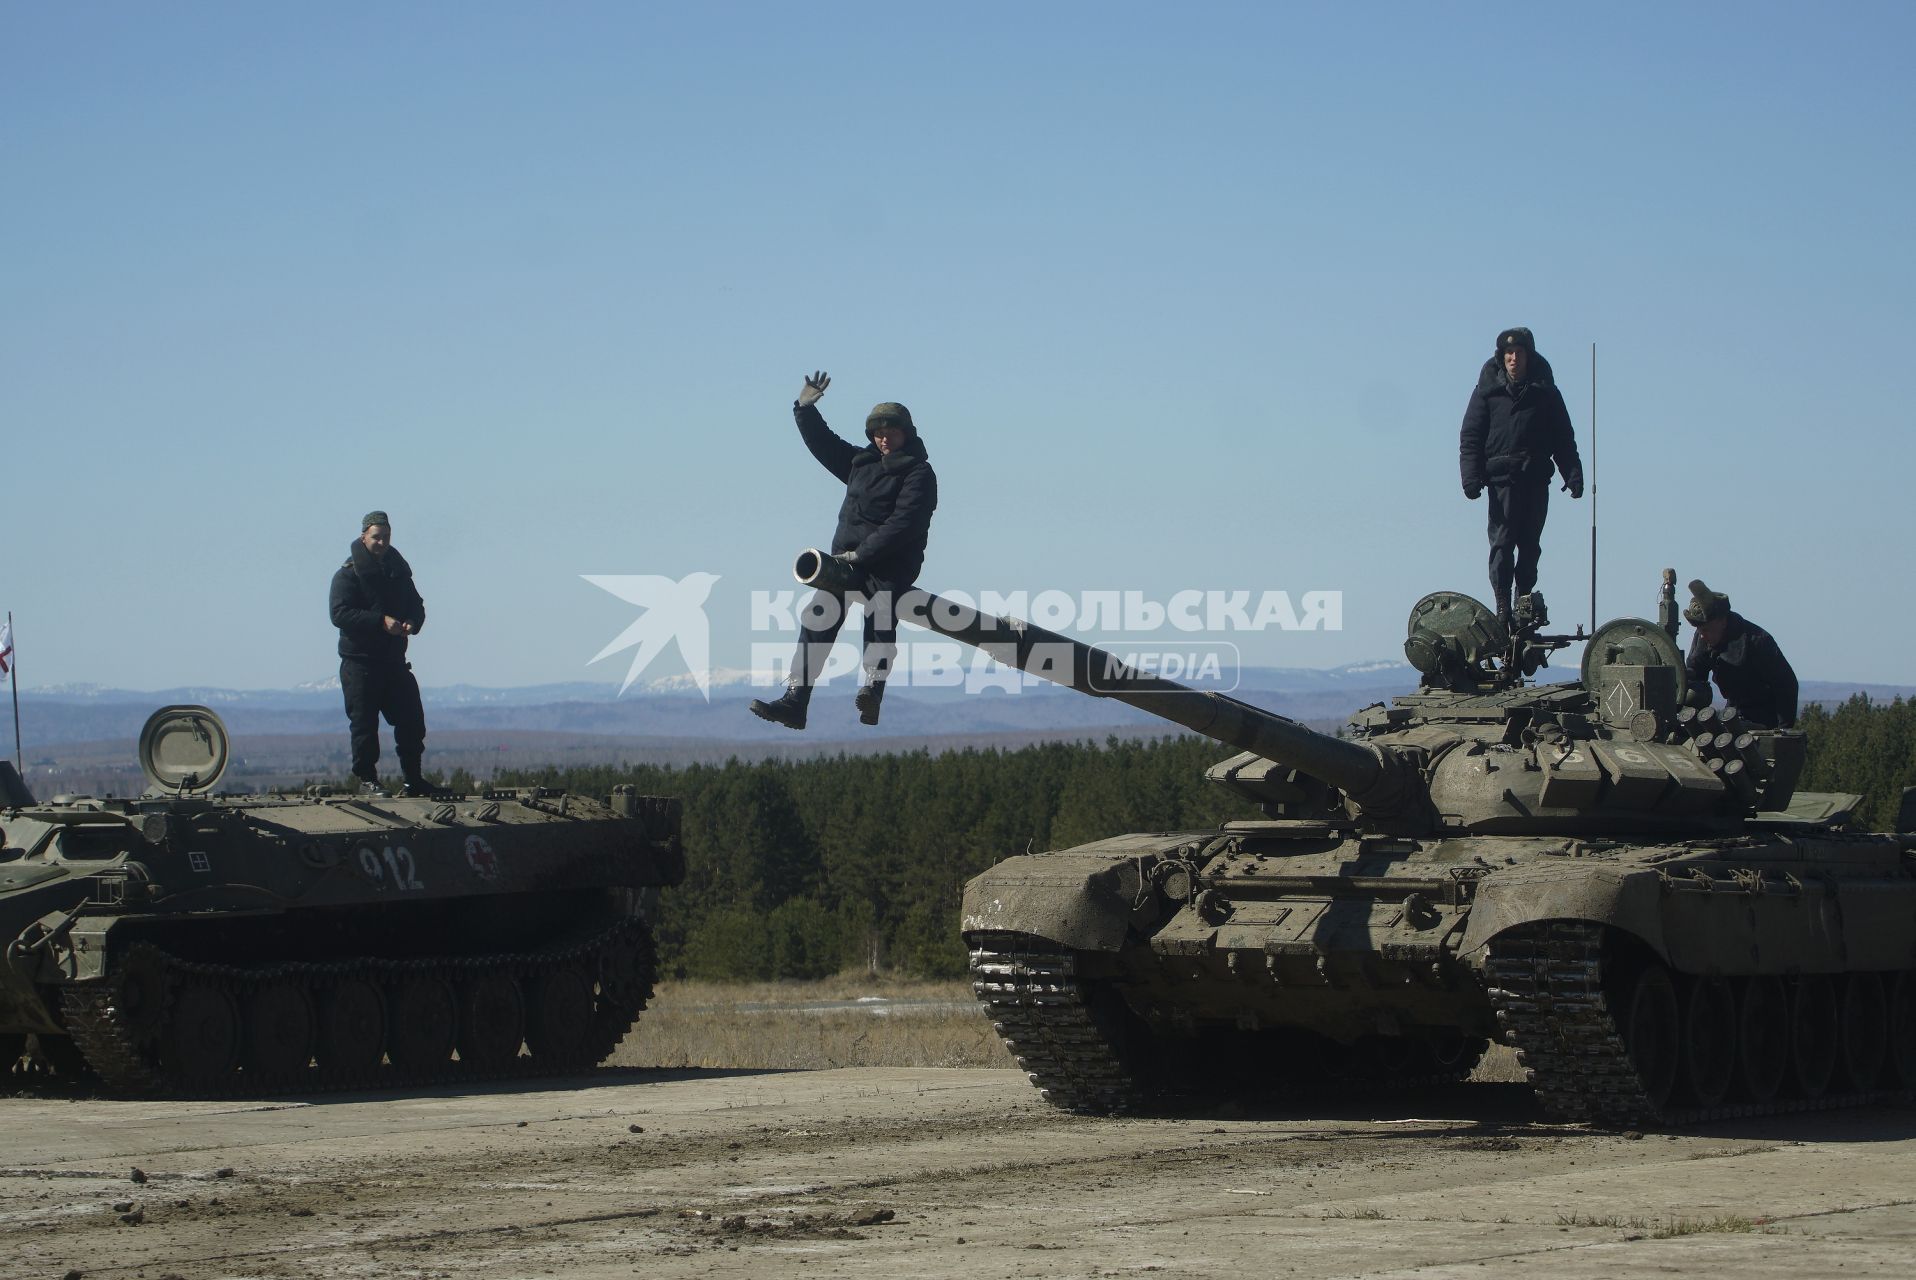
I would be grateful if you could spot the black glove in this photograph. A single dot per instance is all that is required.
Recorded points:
(1473, 491)
(846, 557)
(1574, 489)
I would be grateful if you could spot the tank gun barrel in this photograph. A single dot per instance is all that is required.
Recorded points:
(1352, 768)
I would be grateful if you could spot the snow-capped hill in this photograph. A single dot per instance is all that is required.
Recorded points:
(716, 678)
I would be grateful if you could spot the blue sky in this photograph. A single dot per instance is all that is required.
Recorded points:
(1182, 298)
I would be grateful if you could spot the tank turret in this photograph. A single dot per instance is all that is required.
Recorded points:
(1478, 748)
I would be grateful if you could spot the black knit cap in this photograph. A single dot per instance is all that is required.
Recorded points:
(372, 518)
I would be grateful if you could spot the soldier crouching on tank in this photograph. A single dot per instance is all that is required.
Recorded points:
(377, 609)
(890, 493)
(1746, 663)
(1515, 427)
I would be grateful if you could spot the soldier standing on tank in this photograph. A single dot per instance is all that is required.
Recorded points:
(883, 524)
(1745, 661)
(1516, 431)
(377, 609)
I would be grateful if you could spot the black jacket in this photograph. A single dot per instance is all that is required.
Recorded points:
(1513, 439)
(367, 590)
(1751, 672)
(886, 515)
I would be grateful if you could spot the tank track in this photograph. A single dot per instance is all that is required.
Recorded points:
(1546, 981)
(1071, 1050)
(117, 1023)
(1038, 1008)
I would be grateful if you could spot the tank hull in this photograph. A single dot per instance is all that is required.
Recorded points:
(1215, 963)
(238, 946)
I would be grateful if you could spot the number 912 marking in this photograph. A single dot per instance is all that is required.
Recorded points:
(398, 861)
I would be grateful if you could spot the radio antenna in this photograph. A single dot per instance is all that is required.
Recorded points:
(1593, 488)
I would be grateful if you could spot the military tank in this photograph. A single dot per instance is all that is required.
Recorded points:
(187, 943)
(1622, 883)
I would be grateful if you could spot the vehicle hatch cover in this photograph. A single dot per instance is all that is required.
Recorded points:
(183, 750)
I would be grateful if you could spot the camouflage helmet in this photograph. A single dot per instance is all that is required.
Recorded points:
(1705, 605)
(890, 412)
(1516, 337)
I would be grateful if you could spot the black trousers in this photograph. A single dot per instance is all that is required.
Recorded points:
(375, 689)
(825, 613)
(1517, 514)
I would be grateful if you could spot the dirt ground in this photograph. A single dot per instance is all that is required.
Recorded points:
(927, 1172)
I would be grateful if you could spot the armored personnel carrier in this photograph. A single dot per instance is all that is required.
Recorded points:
(1620, 882)
(200, 944)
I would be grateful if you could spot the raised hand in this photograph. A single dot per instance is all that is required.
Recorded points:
(814, 388)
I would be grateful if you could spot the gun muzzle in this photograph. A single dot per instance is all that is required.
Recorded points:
(814, 568)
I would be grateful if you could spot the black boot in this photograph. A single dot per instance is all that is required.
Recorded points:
(788, 710)
(1503, 605)
(869, 696)
(416, 784)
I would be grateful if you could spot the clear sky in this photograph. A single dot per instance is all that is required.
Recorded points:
(1182, 297)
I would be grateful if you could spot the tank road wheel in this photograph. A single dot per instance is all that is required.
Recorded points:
(201, 1044)
(492, 1020)
(1865, 1038)
(1762, 1039)
(1815, 1021)
(559, 1022)
(1709, 1040)
(279, 1031)
(1651, 1033)
(1454, 1057)
(421, 1022)
(69, 1062)
(352, 1028)
(1902, 1031)
(143, 996)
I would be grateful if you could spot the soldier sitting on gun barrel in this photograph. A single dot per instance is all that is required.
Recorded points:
(1745, 661)
(883, 524)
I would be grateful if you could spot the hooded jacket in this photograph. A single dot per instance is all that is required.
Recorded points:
(886, 515)
(367, 590)
(1514, 438)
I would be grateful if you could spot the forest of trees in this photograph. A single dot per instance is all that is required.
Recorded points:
(804, 869)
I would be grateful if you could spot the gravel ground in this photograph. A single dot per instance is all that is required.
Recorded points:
(925, 1172)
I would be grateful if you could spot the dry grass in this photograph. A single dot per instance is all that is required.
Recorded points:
(1500, 1065)
(779, 1026)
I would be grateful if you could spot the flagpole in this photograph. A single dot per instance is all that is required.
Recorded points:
(13, 678)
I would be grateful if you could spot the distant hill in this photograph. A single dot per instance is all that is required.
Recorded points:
(81, 737)
(673, 708)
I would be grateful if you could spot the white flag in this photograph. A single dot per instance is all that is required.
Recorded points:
(6, 646)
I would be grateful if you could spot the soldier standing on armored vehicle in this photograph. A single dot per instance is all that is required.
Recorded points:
(1516, 428)
(377, 609)
(1744, 660)
(890, 493)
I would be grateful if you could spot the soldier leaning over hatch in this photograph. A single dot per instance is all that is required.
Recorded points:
(883, 524)
(1515, 428)
(1743, 659)
(377, 608)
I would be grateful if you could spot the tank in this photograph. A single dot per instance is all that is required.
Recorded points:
(187, 943)
(1609, 874)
